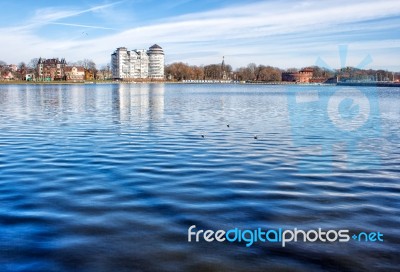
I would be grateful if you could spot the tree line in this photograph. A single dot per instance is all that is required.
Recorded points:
(179, 71)
(264, 73)
(252, 72)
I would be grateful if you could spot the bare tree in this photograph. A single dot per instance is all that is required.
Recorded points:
(292, 70)
(109, 74)
(212, 71)
(178, 71)
(33, 63)
(22, 70)
(252, 70)
(3, 67)
(104, 72)
(197, 72)
(88, 64)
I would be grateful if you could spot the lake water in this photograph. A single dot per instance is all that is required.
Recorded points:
(110, 177)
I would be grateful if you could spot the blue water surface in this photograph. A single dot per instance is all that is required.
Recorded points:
(109, 177)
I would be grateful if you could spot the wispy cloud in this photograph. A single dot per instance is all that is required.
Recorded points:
(84, 26)
(51, 15)
(286, 34)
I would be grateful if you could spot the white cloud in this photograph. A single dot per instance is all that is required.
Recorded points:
(277, 33)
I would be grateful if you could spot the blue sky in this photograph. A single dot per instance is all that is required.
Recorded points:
(278, 33)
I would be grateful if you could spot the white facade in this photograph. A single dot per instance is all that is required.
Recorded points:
(134, 64)
(156, 62)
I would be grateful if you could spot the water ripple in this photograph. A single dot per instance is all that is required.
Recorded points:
(110, 177)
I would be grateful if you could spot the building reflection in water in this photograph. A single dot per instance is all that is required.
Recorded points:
(33, 101)
(138, 102)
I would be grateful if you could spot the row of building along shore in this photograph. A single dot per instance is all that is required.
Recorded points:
(138, 64)
(149, 65)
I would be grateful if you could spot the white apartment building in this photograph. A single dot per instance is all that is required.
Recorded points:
(141, 63)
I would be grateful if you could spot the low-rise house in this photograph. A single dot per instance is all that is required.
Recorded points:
(7, 76)
(89, 75)
(30, 77)
(74, 73)
(13, 67)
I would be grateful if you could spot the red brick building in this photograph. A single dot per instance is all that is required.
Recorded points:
(51, 69)
(302, 76)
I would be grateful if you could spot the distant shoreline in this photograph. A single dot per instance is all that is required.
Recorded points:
(155, 82)
(358, 84)
(369, 84)
(22, 82)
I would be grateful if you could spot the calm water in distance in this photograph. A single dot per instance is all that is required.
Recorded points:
(110, 177)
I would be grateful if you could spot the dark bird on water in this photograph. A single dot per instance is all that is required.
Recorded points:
(255, 137)
(202, 135)
(227, 125)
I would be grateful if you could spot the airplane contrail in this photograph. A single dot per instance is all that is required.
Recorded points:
(86, 26)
